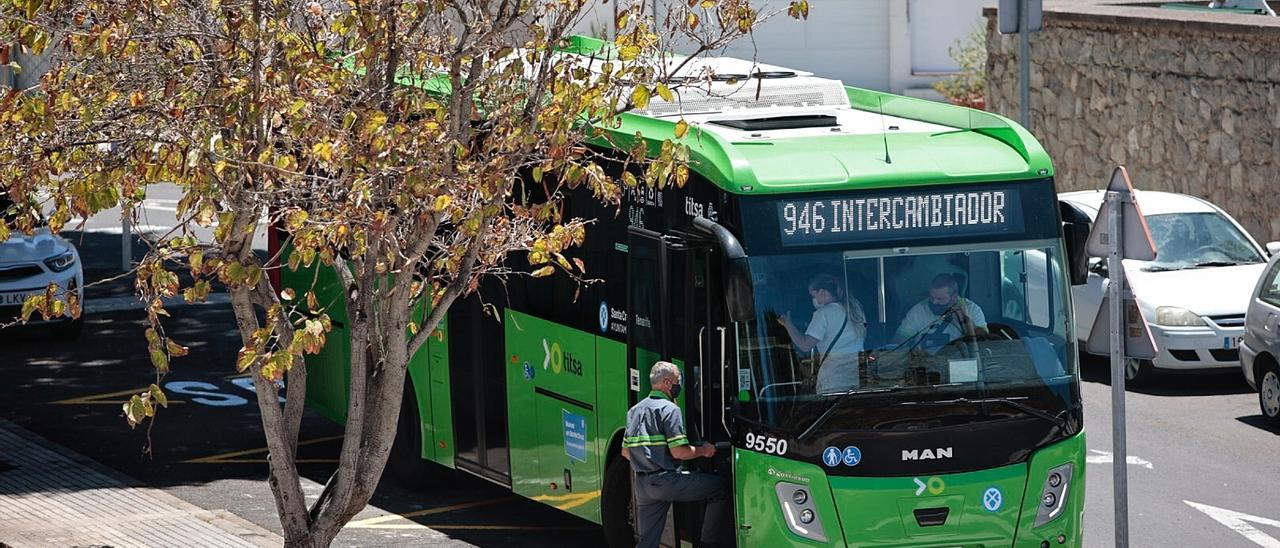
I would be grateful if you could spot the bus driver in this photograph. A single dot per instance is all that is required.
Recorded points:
(942, 317)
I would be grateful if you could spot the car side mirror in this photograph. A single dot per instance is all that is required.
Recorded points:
(1273, 248)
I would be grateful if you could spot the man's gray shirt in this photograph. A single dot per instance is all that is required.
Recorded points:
(654, 425)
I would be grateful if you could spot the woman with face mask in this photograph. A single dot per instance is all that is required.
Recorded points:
(837, 332)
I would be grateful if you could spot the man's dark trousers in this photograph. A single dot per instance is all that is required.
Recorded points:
(655, 492)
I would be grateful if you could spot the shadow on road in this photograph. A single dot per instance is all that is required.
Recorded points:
(1097, 369)
(1260, 423)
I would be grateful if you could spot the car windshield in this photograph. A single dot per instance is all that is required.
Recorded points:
(1190, 240)
(873, 331)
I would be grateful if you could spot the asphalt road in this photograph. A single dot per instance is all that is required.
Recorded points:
(1198, 449)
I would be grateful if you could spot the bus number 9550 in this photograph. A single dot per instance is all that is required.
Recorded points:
(764, 444)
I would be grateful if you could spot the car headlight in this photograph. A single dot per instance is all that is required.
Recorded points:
(1177, 317)
(61, 262)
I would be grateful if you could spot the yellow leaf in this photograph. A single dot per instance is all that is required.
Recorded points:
(543, 272)
(442, 202)
(665, 93)
(682, 127)
(640, 97)
(287, 294)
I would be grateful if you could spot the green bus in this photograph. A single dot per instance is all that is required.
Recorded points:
(935, 439)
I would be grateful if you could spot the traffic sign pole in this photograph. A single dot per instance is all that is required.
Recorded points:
(1024, 64)
(1119, 466)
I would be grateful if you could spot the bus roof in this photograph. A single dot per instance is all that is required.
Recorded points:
(789, 131)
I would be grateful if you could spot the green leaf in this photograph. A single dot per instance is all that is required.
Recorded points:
(158, 395)
(160, 360)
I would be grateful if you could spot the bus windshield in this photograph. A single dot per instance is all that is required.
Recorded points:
(903, 338)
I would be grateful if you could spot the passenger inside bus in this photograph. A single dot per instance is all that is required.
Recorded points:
(837, 331)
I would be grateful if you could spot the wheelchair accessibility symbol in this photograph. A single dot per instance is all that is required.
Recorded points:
(993, 499)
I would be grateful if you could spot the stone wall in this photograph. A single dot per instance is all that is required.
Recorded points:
(1188, 101)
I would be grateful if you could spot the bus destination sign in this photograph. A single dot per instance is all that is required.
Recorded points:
(869, 218)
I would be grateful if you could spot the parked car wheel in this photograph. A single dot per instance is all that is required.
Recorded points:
(1138, 372)
(1269, 394)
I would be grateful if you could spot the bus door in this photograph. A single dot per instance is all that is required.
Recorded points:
(672, 317)
(478, 389)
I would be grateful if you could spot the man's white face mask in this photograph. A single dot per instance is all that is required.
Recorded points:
(816, 304)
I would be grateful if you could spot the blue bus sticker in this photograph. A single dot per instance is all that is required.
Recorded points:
(992, 499)
(528, 371)
(575, 435)
(831, 456)
(852, 456)
(604, 316)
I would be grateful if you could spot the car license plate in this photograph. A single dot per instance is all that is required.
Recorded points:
(14, 299)
(1229, 343)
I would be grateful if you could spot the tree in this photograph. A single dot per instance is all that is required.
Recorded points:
(396, 142)
(969, 86)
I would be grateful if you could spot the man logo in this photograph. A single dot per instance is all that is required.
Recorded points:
(926, 454)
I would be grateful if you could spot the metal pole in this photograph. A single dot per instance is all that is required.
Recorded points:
(126, 243)
(1024, 64)
(1119, 465)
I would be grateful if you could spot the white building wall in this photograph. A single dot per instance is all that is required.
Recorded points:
(891, 45)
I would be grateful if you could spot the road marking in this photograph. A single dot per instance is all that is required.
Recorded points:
(230, 458)
(380, 522)
(1238, 522)
(108, 398)
(1104, 457)
(571, 500)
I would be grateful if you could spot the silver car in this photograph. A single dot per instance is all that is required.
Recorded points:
(1261, 344)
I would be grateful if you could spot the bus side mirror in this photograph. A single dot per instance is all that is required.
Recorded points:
(739, 297)
(1076, 235)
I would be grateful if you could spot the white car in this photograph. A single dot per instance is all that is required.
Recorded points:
(28, 264)
(1194, 294)
(1261, 343)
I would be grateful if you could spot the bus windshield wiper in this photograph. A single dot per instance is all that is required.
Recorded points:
(835, 404)
(1220, 263)
(1011, 402)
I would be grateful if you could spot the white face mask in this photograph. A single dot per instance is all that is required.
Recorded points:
(816, 304)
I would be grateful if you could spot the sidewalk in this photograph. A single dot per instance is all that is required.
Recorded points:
(51, 496)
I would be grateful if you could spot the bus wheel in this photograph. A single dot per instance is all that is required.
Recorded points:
(406, 464)
(617, 506)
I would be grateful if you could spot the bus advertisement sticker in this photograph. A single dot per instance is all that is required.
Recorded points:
(604, 316)
(528, 371)
(575, 435)
(832, 456)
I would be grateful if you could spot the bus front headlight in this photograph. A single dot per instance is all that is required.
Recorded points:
(798, 511)
(1053, 498)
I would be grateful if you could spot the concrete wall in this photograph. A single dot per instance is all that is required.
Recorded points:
(1188, 101)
